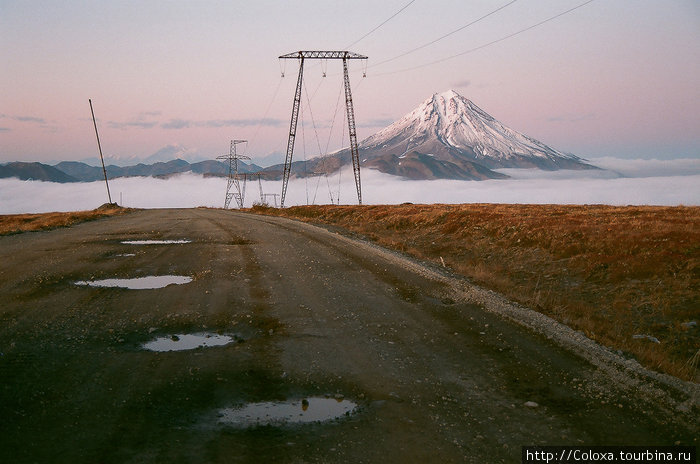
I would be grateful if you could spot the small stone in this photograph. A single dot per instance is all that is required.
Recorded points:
(531, 404)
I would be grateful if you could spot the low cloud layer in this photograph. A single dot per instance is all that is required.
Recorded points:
(650, 167)
(677, 183)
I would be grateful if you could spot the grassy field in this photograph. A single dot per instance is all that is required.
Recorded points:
(16, 223)
(625, 276)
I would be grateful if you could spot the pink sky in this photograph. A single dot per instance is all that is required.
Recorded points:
(613, 78)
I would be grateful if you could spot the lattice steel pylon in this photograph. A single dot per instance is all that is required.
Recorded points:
(233, 176)
(323, 55)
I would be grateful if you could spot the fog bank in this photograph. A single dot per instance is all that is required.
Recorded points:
(677, 183)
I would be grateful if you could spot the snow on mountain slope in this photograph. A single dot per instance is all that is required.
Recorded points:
(454, 128)
(446, 137)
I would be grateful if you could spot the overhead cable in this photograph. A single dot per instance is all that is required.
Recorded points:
(267, 111)
(444, 36)
(383, 23)
(487, 44)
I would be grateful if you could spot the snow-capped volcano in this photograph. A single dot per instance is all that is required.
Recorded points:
(446, 137)
(453, 129)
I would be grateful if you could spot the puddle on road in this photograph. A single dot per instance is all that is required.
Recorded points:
(138, 283)
(155, 242)
(279, 413)
(182, 342)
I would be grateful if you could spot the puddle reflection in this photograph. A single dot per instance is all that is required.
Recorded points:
(138, 283)
(287, 412)
(182, 342)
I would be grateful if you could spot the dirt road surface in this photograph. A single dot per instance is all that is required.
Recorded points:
(439, 371)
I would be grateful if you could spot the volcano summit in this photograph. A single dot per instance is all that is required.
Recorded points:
(449, 137)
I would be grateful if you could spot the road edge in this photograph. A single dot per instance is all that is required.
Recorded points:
(679, 398)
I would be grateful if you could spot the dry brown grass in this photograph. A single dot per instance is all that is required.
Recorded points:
(16, 223)
(611, 272)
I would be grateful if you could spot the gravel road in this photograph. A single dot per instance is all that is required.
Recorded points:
(422, 365)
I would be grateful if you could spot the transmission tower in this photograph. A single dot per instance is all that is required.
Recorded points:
(264, 196)
(233, 176)
(274, 197)
(323, 55)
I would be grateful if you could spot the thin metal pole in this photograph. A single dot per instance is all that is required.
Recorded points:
(262, 195)
(99, 147)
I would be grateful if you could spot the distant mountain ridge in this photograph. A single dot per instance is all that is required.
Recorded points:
(76, 171)
(34, 171)
(167, 153)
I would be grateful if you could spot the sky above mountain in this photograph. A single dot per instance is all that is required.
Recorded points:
(612, 78)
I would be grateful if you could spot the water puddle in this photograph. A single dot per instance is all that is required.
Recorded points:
(138, 283)
(279, 413)
(155, 242)
(125, 255)
(182, 342)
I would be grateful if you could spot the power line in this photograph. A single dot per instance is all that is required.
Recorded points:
(487, 44)
(383, 23)
(267, 111)
(445, 36)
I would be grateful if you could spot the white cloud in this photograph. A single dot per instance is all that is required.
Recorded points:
(530, 186)
(647, 191)
(521, 174)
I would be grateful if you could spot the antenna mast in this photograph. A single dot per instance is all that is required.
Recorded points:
(99, 147)
(323, 55)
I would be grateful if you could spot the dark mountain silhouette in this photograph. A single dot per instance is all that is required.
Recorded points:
(34, 171)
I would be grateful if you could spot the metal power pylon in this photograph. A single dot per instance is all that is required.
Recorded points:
(233, 176)
(274, 197)
(323, 55)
